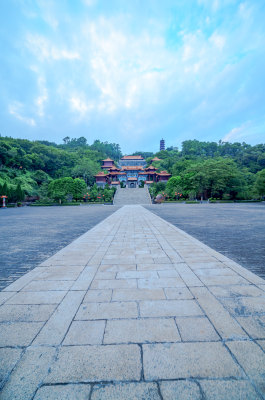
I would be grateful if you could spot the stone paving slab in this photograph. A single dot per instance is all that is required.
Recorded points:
(134, 309)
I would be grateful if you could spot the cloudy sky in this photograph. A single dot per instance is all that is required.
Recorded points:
(133, 71)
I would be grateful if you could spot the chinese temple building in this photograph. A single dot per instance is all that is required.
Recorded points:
(155, 159)
(131, 170)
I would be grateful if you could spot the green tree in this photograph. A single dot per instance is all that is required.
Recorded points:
(19, 193)
(5, 190)
(86, 169)
(260, 183)
(58, 189)
(79, 189)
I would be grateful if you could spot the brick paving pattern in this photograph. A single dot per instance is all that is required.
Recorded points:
(29, 235)
(236, 230)
(134, 309)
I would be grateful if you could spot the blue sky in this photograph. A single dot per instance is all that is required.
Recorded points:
(132, 72)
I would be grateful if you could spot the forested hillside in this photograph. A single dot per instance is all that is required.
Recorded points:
(221, 170)
(199, 169)
(31, 166)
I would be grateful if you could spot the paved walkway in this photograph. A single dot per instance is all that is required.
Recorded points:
(134, 309)
(29, 235)
(128, 196)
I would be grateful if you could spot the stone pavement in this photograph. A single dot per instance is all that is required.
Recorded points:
(134, 309)
(127, 196)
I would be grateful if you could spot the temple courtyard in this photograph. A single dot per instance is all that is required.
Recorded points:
(135, 307)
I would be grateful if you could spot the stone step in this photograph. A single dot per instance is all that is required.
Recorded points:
(125, 196)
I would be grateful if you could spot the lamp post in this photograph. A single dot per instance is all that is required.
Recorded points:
(4, 200)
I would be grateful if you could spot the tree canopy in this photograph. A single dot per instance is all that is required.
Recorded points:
(199, 169)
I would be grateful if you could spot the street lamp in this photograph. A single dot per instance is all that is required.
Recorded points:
(4, 197)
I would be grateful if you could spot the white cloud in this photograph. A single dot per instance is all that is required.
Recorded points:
(15, 109)
(80, 105)
(43, 49)
(237, 133)
(128, 75)
(47, 8)
(42, 98)
(218, 40)
(125, 69)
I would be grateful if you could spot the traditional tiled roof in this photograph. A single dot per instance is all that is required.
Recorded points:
(132, 158)
(114, 168)
(101, 173)
(108, 159)
(156, 159)
(151, 167)
(163, 173)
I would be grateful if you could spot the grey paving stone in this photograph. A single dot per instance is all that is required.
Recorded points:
(96, 363)
(252, 278)
(186, 360)
(107, 311)
(160, 283)
(97, 296)
(38, 286)
(114, 284)
(8, 359)
(137, 274)
(252, 359)
(262, 344)
(55, 329)
(117, 268)
(119, 261)
(28, 374)
(206, 264)
(182, 390)
(178, 293)
(215, 272)
(25, 313)
(24, 280)
(18, 333)
(245, 305)
(141, 331)
(161, 260)
(262, 287)
(168, 273)
(223, 280)
(139, 248)
(85, 332)
(48, 297)
(128, 391)
(105, 275)
(196, 329)
(236, 291)
(58, 276)
(137, 294)
(254, 325)
(189, 277)
(85, 278)
(232, 390)
(169, 308)
(153, 267)
(63, 392)
(227, 327)
(4, 296)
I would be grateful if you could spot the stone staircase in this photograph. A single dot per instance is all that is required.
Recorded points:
(127, 196)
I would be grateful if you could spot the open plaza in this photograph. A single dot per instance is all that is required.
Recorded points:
(133, 302)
